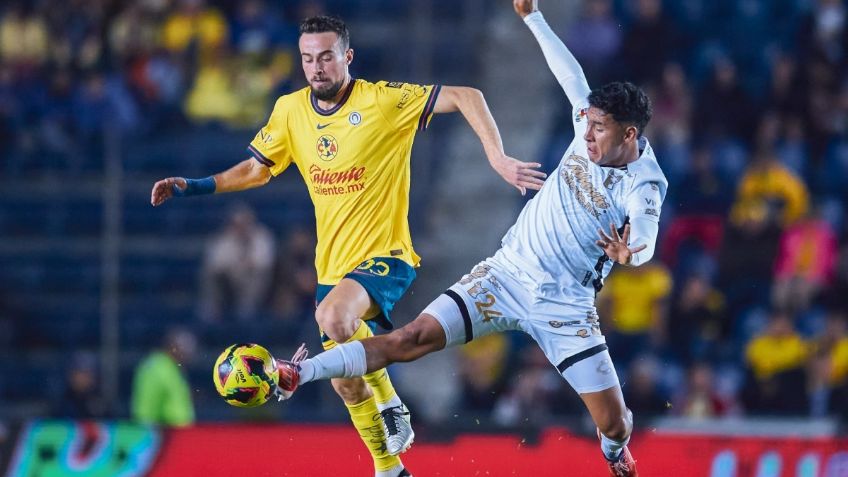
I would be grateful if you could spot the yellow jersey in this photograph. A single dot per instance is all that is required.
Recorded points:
(355, 160)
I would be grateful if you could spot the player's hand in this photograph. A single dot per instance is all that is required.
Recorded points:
(522, 175)
(615, 246)
(525, 7)
(165, 189)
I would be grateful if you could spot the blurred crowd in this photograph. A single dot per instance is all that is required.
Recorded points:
(743, 310)
(68, 70)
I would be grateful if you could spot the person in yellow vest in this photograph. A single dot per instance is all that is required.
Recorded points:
(351, 140)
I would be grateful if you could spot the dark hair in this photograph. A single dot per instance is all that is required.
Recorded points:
(326, 23)
(625, 101)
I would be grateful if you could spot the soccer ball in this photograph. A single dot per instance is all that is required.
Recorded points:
(245, 375)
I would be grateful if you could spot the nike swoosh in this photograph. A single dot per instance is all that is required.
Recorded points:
(322, 126)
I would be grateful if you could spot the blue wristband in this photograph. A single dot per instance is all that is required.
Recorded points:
(196, 187)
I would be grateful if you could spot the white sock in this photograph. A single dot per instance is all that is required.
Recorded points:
(393, 402)
(344, 361)
(393, 472)
(611, 448)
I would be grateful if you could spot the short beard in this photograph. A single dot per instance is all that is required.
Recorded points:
(329, 93)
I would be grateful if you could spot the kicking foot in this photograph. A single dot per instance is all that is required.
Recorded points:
(624, 466)
(399, 433)
(289, 373)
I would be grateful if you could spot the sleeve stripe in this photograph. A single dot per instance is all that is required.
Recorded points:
(428, 108)
(259, 156)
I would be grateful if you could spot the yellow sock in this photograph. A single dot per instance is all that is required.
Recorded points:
(370, 428)
(379, 380)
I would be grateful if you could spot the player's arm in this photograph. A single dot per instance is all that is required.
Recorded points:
(246, 174)
(562, 63)
(471, 103)
(636, 244)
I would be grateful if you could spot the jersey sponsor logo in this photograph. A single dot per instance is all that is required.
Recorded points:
(653, 212)
(395, 253)
(329, 182)
(327, 147)
(650, 202)
(355, 118)
(322, 126)
(409, 92)
(560, 324)
(395, 84)
(576, 175)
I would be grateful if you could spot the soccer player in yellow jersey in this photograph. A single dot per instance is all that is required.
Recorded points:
(351, 141)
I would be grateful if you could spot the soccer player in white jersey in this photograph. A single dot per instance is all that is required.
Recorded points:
(601, 206)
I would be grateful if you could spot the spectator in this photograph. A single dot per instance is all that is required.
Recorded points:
(81, 398)
(595, 39)
(702, 205)
(828, 383)
(805, 263)
(534, 393)
(195, 24)
(700, 399)
(641, 388)
(296, 280)
(768, 182)
(633, 303)
(775, 362)
(698, 324)
(482, 364)
(237, 268)
(649, 42)
(725, 109)
(161, 394)
(746, 257)
(24, 38)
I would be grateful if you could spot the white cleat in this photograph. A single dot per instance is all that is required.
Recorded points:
(398, 429)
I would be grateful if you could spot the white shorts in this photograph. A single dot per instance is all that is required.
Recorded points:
(492, 298)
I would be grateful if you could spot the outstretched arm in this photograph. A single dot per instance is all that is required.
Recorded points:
(471, 103)
(562, 63)
(246, 174)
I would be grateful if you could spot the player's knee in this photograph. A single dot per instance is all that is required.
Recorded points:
(334, 322)
(617, 427)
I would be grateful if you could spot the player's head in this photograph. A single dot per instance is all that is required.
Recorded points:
(325, 54)
(617, 116)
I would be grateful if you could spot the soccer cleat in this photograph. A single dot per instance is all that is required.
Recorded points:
(396, 424)
(289, 373)
(624, 466)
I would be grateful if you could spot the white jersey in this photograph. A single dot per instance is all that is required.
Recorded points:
(553, 240)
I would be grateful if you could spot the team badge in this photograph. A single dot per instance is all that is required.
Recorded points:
(580, 115)
(327, 147)
(355, 118)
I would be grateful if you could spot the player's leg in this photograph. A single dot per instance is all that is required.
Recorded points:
(615, 423)
(580, 355)
(356, 358)
(339, 317)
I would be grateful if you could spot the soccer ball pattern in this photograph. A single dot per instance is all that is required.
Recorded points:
(245, 375)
